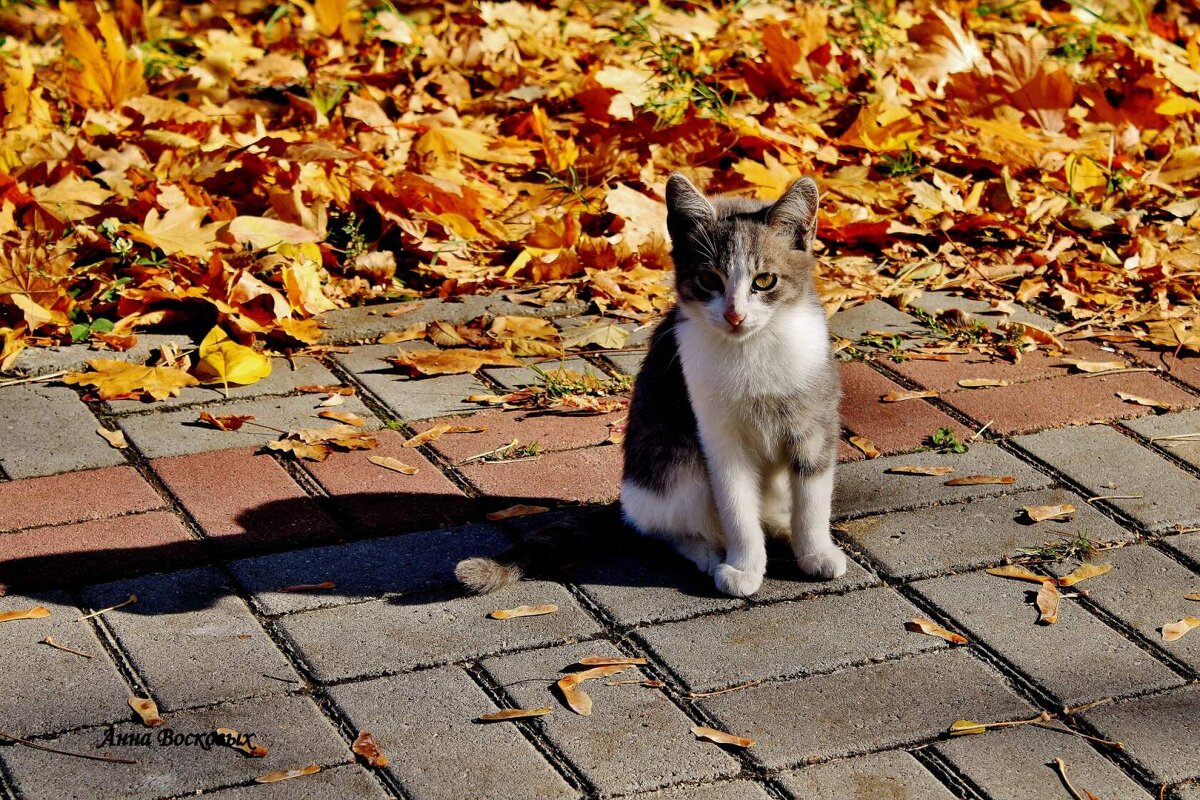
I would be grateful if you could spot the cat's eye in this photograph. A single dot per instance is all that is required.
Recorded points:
(709, 281)
(765, 281)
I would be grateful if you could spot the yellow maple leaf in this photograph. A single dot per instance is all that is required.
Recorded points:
(224, 361)
(115, 379)
(99, 77)
(179, 232)
(770, 179)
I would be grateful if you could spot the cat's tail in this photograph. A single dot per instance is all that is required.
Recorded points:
(542, 551)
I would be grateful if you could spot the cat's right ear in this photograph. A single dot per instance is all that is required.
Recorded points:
(687, 208)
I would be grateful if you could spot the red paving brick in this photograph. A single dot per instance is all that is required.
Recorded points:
(551, 432)
(382, 500)
(1070, 400)
(892, 427)
(847, 452)
(87, 552)
(943, 376)
(245, 499)
(1184, 367)
(589, 475)
(74, 497)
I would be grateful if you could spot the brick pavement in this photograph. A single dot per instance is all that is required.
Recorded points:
(212, 535)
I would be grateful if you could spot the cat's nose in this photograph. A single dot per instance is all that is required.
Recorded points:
(733, 318)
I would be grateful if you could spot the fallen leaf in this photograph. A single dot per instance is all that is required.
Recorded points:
(451, 362)
(605, 335)
(332, 400)
(1017, 572)
(366, 746)
(116, 380)
(1192, 596)
(898, 397)
(920, 625)
(979, 383)
(1083, 572)
(437, 430)
(577, 699)
(910, 469)
(394, 464)
(283, 775)
(516, 511)
(409, 334)
(223, 360)
(514, 713)
(524, 611)
(1096, 366)
(311, 389)
(721, 737)
(264, 233)
(115, 438)
(1043, 513)
(230, 737)
(226, 422)
(1047, 602)
(1177, 629)
(309, 587)
(965, 727)
(404, 308)
(980, 480)
(609, 661)
(147, 710)
(865, 445)
(37, 612)
(1145, 401)
(346, 417)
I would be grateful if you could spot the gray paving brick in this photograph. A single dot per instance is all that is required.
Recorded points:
(424, 723)
(729, 790)
(367, 323)
(185, 637)
(1159, 733)
(646, 581)
(177, 433)
(636, 739)
(518, 377)
(873, 316)
(883, 776)
(1145, 590)
(499, 306)
(35, 361)
(283, 379)
(372, 568)
(1052, 655)
(390, 635)
(815, 635)
(930, 541)
(1181, 424)
(1018, 764)
(1108, 463)
(628, 363)
(1186, 545)
(1188, 791)
(410, 398)
(639, 333)
(43, 689)
(881, 706)
(292, 728)
(47, 429)
(936, 302)
(864, 488)
(350, 782)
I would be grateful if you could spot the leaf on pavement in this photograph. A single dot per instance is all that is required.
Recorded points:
(1145, 401)
(451, 362)
(224, 361)
(515, 511)
(1083, 572)
(899, 397)
(980, 383)
(578, 700)
(394, 464)
(409, 334)
(366, 746)
(912, 469)
(437, 431)
(115, 438)
(524, 611)
(1043, 513)
(118, 380)
(1175, 630)
(1017, 572)
(921, 625)
(230, 737)
(283, 775)
(347, 417)
(506, 714)
(226, 422)
(37, 612)
(721, 737)
(966, 727)
(147, 710)
(604, 335)
(1192, 596)
(864, 444)
(1096, 366)
(1047, 602)
(981, 480)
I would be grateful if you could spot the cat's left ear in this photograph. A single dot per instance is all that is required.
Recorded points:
(796, 211)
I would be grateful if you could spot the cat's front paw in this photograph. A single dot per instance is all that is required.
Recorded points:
(825, 564)
(736, 582)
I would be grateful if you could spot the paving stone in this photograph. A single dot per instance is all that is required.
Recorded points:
(179, 433)
(74, 497)
(48, 429)
(403, 633)
(367, 323)
(884, 776)
(1188, 791)
(943, 376)
(1069, 400)
(193, 639)
(1181, 424)
(643, 580)
(1183, 366)
(628, 363)
(1051, 655)
(729, 790)
(550, 431)
(1186, 545)
(590, 475)
(410, 398)
(282, 380)
(35, 361)
(381, 500)
(873, 316)
(1109, 463)
(292, 728)
(881, 706)
(936, 302)
(892, 427)
(502, 307)
(635, 739)
(520, 377)
(400, 565)
(96, 550)
(37, 678)
(639, 333)
(788, 639)
(912, 544)
(350, 782)
(1159, 732)
(864, 488)
(847, 452)
(245, 499)
(1018, 764)
(424, 722)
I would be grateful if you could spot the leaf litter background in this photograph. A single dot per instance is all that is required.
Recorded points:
(250, 165)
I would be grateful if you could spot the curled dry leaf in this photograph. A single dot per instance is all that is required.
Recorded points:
(437, 431)
(394, 464)
(1017, 572)
(225, 422)
(332, 401)
(1096, 366)
(721, 737)
(230, 737)
(524, 611)
(1145, 401)
(1047, 602)
(409, 334)
(37, 612)
(346, 417)
(899, 397)
(865, 445)
(1083, 572)
(346, 391)
(577, 699)
(147, 710)
(609, 661)
(1043, 513)
(309, 587)
(366, 746)
(516, 511)
(980, 480)
(283, 775)
(913, 469)
(114, 438)
(1177, 629)
(980, 383)
(451, 362)
(513, 713)
(921, 625)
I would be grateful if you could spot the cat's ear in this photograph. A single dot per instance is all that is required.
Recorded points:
(687, 208)
(796, 211)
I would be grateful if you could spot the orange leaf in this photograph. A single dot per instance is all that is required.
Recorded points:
(721, 737)
(37, 612)
(1083, 572)
(147, 710)
(1017, 572)
(524, 611)
(577, 699)
(366, 746)
(980, 480)
(1047, 602)
(865, 445)
(921, 625)
(226, 422)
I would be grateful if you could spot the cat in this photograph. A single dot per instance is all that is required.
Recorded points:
(733, 426)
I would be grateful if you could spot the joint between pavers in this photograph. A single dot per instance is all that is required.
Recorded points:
(8, 789)
(1144, 643)
(347, 731)
(112, 648)
(982, 434)
(948, 774)
(1161, 452)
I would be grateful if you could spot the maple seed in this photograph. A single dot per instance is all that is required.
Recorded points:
(1177, 629)
(283, 775)
(114, 438)
(1047, 602)
(1017, 572)
(980, 383)
(37, 612)
(865, 445)
(524, 611)
(232, 738)
(516, 511)
(898, 397)
(981, 480)
(920, 625)
(578, 700)
(147, 710)
(309, 587)
(394, 464)
(366, 746)
(721, 737)
(1043, 513)
(513, 713)
(608, 661)
(910, 469)
(1083, 572)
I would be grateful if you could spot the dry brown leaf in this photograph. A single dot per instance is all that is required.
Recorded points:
(577, 699)
(245, 743)
(226, 422)
(1043, 513)
(437, 431)
(514, 713)
(524, 611)
(516, 511)
(37, 612)
(394, 464)
(921, 625)
(1096, 366)
(1178, 629)
(609, 661)
(346, 417)
(309, 587)
(980, 383)
(451, 362)
(316, 389)
(147, 710)
(721, 737)
(1083, 572)
(1047, 602)
(332, 401)
(115, 438)
(283, 775)
(899, 397)
(980, 480)
(404, 308)
(1145, 401)
(366, 746)
(409, 334)
(912, 469)
(865, 445)
(1017, 572)
(312, 452)
(1192, 596)
(115, 380)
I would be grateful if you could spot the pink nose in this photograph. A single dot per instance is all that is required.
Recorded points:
(733, 318)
